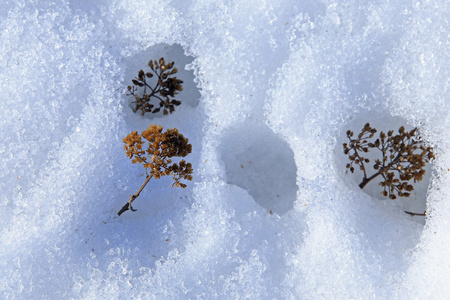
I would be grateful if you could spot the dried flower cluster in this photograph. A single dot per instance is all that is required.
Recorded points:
(403, 158)
(166, 88)
(155, 154)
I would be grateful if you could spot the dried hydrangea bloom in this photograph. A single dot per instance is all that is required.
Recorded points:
(165, 89)
(403, 158)
(154, 150)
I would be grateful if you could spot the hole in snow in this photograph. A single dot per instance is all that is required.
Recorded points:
(259, 161)
(381, 121)
(190, 94)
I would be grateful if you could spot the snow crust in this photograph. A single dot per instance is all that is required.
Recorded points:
(270, 88)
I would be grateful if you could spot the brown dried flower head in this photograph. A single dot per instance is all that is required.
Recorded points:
(156, 151)
(164, 90)
(403, 158)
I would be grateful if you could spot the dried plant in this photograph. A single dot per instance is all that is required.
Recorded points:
(403, 157)
(166, 87)
(156, 156)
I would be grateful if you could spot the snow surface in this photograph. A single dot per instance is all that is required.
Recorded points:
(270, 89)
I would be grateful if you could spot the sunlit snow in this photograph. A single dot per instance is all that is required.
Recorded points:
(270, 88)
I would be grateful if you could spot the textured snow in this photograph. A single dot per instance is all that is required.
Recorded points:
(270, 88)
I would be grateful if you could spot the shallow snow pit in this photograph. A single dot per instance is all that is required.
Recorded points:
(158, 196)
(259, 161)
(381, 121)
(190, 94)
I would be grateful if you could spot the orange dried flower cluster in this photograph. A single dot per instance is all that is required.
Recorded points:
(399, 163)
(161, 147)
(166, 87)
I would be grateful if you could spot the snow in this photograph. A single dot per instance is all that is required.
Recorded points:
(270, 88)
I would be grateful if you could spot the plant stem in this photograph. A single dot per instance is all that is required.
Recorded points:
(132, 197)
(414, 214)
(367, 180)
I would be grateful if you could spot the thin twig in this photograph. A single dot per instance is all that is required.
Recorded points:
(414, 214)
(132, 197)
